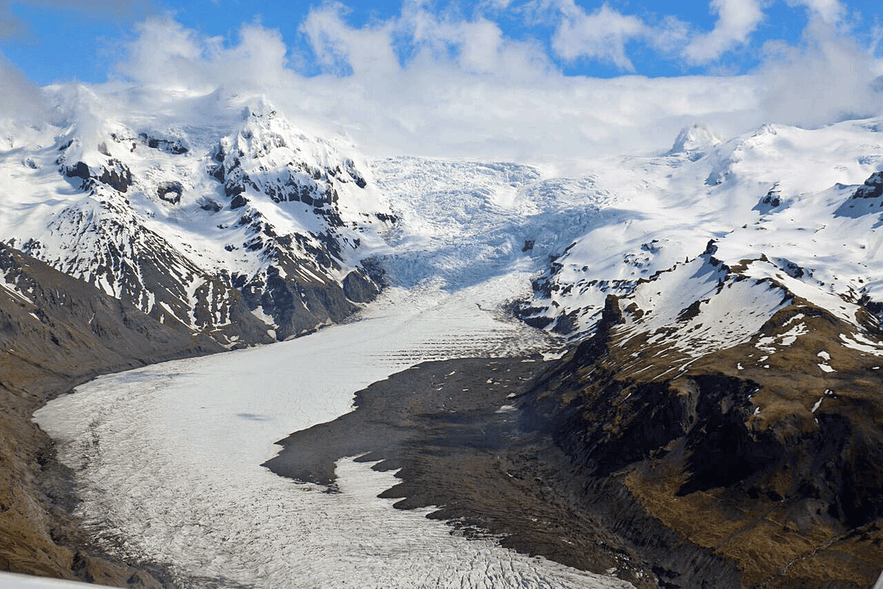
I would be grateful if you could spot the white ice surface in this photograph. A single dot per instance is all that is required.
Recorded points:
(168, 457)
(13, 581)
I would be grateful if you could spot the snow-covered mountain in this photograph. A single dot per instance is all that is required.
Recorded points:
(239, 226)
(728, 372)
(782, 205)
(232, 222)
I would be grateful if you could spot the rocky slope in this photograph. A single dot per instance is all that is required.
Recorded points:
(741, 416)
(726, 384)
(57, 332)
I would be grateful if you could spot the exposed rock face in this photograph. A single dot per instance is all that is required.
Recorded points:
(170, 191)
(141, 268)
(171, 146)
(769, 202)
(872, 188)
(361, 286)
(116, 175)
(57, 332)
(297, 306)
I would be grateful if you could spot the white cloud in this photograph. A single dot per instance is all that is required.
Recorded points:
(20, 99)
(827, 78)
(169, 56)
(337, 46)
(476, 45)
(439, 84)
(830, 11)
(737, 19)
(464, 89)
(602, 34)
(165, 53)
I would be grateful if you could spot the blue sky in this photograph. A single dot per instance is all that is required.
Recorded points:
(57, 40)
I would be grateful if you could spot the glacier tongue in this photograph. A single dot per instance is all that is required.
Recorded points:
(175, 477)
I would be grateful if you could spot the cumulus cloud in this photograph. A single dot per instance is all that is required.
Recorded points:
(442, 84)
(830, 11)
(602, 34)
(167, 55)
(475, 45)
(737, 19)
(435, 85)
(827, 78)
(341, 49)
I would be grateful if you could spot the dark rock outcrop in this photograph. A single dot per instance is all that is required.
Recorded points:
(872, 188)
(298, 305)
(78, 170)
(208, 204)
(770, 201)
(116, 175)
(171, 146)
(359, 288)
(238, 201)
(170, 191)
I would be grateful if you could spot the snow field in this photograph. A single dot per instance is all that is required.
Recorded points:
(812, 238)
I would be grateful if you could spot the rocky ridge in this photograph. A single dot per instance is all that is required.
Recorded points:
(726, 375)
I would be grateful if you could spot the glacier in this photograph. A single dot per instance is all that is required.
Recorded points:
(175, 478)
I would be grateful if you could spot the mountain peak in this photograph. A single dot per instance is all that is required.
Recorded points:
(260, 108)
(696, 137)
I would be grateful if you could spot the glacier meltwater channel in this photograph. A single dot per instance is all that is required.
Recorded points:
(168, 457)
